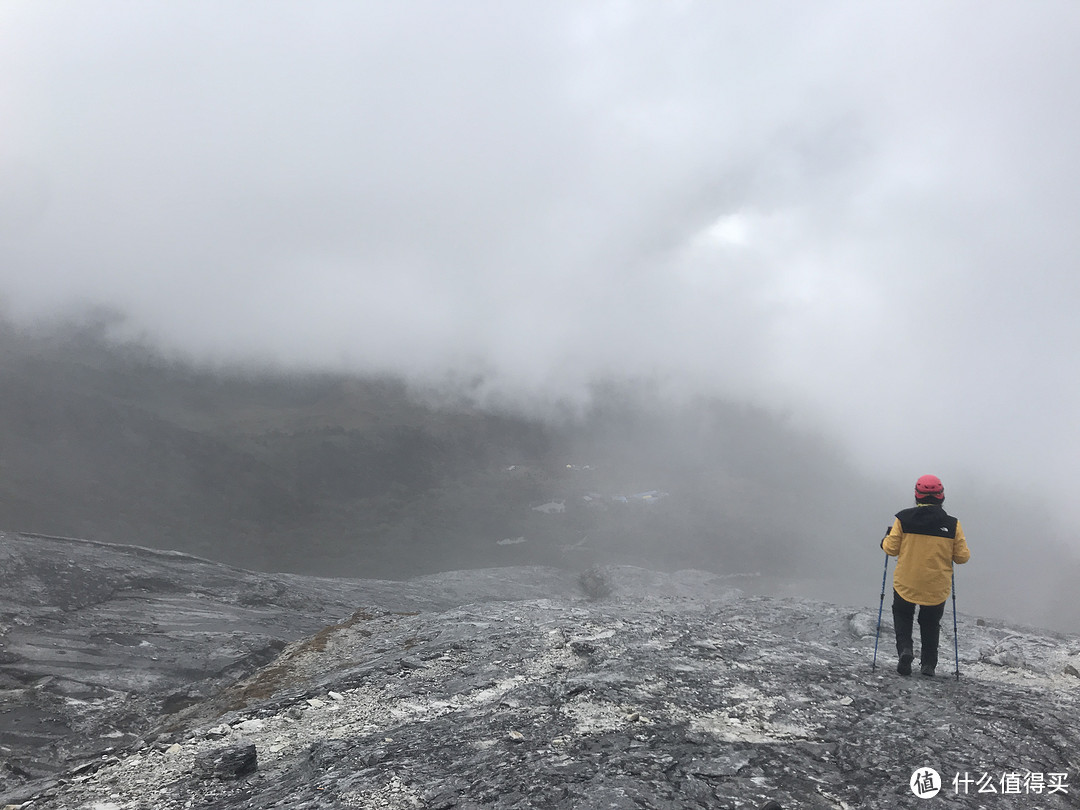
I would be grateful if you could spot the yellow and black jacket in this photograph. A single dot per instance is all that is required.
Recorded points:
(926, 542)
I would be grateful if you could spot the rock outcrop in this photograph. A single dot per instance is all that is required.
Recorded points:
(500, 689)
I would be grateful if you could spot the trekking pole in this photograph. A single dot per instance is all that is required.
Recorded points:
(881, 605)
(956, 641)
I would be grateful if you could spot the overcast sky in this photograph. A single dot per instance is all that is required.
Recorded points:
(864, 214)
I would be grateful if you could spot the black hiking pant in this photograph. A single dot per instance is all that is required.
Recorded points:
(903, 614)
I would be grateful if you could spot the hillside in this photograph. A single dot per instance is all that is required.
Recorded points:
(371, 477)
(498, 688)
(324, 473)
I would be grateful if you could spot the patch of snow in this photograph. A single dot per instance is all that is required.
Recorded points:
(729, 728)
(597, 717)
(551, 507)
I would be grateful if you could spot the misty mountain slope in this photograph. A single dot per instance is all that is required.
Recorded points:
(332, 474)
(323, 473)
(676, 691)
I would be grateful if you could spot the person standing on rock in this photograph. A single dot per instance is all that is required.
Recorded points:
(926, 542)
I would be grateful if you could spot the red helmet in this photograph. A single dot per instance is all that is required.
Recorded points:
(930, 486)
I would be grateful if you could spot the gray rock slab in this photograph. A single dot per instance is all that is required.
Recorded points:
(484, 694)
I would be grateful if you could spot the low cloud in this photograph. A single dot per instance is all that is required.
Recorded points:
(861, 214)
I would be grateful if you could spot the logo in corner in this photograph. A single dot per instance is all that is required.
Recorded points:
(925, 783)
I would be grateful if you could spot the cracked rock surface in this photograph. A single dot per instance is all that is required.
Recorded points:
(99, 641)
(674, 692)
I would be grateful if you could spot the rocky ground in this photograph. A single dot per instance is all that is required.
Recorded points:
(98, 641)
(512, 688)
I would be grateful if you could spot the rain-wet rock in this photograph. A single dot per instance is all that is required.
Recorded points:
(702, 699)
(227, 762)
(102, 642)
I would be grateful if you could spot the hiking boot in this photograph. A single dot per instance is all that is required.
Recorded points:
(904, 667)
(928, 670)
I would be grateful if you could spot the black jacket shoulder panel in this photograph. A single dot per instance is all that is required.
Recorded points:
(931, 520)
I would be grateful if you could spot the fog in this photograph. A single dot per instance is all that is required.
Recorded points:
(858, 216)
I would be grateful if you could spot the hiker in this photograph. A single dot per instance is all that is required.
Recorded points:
(926, 542)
